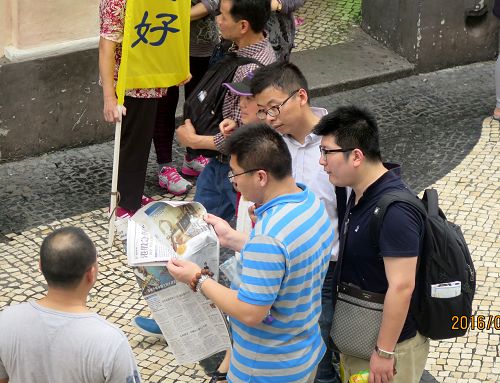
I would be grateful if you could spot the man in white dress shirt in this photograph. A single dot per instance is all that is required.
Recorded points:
(281, 93)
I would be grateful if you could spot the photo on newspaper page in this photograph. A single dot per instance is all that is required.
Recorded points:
(193, 326)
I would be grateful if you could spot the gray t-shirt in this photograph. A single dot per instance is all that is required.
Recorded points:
(39, 345)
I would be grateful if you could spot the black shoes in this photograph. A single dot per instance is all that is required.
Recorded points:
(217, 376)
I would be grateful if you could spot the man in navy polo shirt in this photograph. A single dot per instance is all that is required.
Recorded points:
(350, 154)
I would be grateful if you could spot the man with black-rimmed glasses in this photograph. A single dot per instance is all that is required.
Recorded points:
(242, 22)
(275, 304)
(351, 157)
(281, 92)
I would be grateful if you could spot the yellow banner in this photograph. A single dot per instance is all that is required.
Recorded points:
(155, 49)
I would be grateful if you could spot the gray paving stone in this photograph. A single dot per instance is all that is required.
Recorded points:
(428, 122)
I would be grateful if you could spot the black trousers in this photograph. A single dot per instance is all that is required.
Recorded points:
(137, 132)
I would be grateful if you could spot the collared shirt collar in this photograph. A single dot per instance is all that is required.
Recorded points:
(253, 49)
(393, 173)
(285, 198)
(311, 138)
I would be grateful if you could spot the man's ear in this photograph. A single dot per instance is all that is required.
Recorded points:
(304, 97)
(91, 274)
(263, 177)
(358, 157)
(244, 27)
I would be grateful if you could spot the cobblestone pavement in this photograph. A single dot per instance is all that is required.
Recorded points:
(432, 124)
(326, 22)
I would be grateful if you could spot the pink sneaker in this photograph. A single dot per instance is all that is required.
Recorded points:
(145, 200)
(194, 167)
(170, 179)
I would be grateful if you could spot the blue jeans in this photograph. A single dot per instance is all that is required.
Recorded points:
(326, 372)
(215, 191)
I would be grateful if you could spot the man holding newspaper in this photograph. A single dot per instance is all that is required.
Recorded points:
(275, 300)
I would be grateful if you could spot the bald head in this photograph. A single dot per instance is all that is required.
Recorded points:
(65, 256)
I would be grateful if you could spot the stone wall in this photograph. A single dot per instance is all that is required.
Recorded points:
(50, 103)
(49, 96)
(434, 34)
(5, 25)
(40, 25)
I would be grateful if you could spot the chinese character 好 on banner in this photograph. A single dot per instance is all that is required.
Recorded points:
(155, 49)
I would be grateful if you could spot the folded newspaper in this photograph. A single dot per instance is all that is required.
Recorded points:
(193, 326)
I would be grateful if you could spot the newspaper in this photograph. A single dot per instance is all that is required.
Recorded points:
(193, 326)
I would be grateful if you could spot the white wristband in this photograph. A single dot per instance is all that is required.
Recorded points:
(384, 354)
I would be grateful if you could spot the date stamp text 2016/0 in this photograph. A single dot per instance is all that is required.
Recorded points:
(475, 322)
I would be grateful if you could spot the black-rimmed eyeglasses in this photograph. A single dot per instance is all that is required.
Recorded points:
(274, 111)
(231, 175)
(324, 151)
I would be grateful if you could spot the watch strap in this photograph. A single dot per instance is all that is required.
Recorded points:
(384, 354)
(202, 279)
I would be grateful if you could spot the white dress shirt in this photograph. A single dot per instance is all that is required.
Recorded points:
(307, 170)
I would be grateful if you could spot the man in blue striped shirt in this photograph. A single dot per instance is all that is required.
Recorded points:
(275, 309)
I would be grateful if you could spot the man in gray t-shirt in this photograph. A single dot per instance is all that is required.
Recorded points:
(56, 339)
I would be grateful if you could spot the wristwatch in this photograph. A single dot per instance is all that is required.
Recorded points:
(202, 279)
(384, 354)
(280, 6)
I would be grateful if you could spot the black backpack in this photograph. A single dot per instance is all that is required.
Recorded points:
(204, 104)
(445, 258)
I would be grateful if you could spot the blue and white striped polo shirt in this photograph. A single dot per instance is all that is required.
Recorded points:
(284, 264)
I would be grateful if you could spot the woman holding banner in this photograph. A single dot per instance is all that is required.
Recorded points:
(142, 106)
(204, 35)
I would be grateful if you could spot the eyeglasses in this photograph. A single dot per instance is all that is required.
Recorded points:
(275, 110)
(231, 175)
(324, 152)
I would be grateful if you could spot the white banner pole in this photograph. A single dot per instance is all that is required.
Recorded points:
(114, 180)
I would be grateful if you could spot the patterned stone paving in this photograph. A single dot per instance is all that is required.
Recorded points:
(469, 196)
(115, 296)
(326, 22)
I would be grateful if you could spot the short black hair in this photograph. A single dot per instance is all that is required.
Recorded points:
(281, 75)
(352, 127)
(66, 255)
(256, 12)
(258, 146)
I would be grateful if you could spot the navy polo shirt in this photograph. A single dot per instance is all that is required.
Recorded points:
(401, 235)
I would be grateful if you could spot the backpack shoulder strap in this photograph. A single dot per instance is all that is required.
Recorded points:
(431, 200)
(241, 60)
(384, 202)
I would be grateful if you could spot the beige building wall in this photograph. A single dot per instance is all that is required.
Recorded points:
(32, 24)
(5, 25)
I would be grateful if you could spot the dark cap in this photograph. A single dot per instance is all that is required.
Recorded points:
(241, 88)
